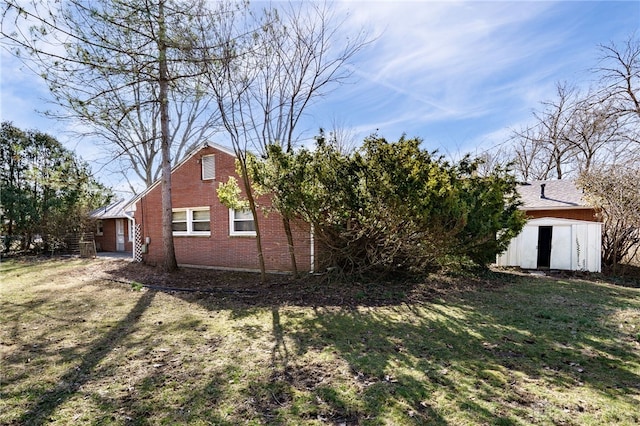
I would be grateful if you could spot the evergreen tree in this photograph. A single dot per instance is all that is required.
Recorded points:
(46, 190)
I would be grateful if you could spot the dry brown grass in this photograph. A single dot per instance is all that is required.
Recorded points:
(80, 348)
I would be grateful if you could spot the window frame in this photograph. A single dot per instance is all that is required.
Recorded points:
(99, 227)
(212, 175)
(190, 232)
(232, 221)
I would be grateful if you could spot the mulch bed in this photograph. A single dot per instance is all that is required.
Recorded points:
(281, 289)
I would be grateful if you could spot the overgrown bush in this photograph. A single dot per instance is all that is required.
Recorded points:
(392, 207)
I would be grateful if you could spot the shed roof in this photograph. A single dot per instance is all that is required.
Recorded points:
(115, 210)
(557, 195)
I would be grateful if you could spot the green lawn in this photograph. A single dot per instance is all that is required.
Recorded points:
(79, 349)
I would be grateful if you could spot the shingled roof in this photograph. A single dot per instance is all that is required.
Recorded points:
(551, 195)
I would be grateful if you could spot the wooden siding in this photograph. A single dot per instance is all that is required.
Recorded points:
(587, 214)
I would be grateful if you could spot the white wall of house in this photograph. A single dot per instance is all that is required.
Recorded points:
(575, 245)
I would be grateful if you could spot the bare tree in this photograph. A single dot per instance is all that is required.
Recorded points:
(570, 135)
(229, 80)
(594, 133)
(304, 58)
(116, 106)
(342, 136)
(619, 72)
(265, 86)
(615, 192)
(620, 75)
(493, 159)
(530, 158)
(133, 137)
(541, 150)
(114, 64)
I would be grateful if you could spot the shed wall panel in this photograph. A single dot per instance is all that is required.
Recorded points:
(561, 242)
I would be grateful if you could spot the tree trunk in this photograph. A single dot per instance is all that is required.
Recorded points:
(287, 230)
(254, 211)
(169, 262)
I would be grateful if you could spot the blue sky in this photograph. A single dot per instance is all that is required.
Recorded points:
(458, 74)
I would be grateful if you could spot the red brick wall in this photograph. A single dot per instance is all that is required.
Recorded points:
(220, 249)
(576, 214)
(107, 241)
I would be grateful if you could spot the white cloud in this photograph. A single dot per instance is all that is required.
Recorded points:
(442, 54)
(460, 64)
(455, 73)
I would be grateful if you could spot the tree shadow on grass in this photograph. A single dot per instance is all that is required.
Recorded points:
(478, 346)
(75, 378)
(470, 346)
(38, 325)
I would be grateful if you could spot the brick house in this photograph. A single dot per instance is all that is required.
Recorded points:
(205, 232)
(113, 228)
(563, 230)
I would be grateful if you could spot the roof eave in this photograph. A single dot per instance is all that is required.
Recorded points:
(108, 217)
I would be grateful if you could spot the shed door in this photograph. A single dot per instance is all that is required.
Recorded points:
(119, 234)
(527, 247)
(561, 244)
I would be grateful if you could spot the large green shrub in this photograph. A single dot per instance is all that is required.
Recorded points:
(391, 206)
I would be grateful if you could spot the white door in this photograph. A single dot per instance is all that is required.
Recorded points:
(561, 243)
(529, 247)
(119, 234)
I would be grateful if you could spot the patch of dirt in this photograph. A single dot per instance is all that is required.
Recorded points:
(281, 289)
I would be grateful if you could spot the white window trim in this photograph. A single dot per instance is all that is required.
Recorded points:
(190, 231)
(213, 167)
(234, 233)
(99, 228)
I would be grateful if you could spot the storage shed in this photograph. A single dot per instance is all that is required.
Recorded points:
(563, 231)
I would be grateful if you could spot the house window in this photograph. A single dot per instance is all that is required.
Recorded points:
(194, 221)
(208, 167)
(99, 228)
(241, 223)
